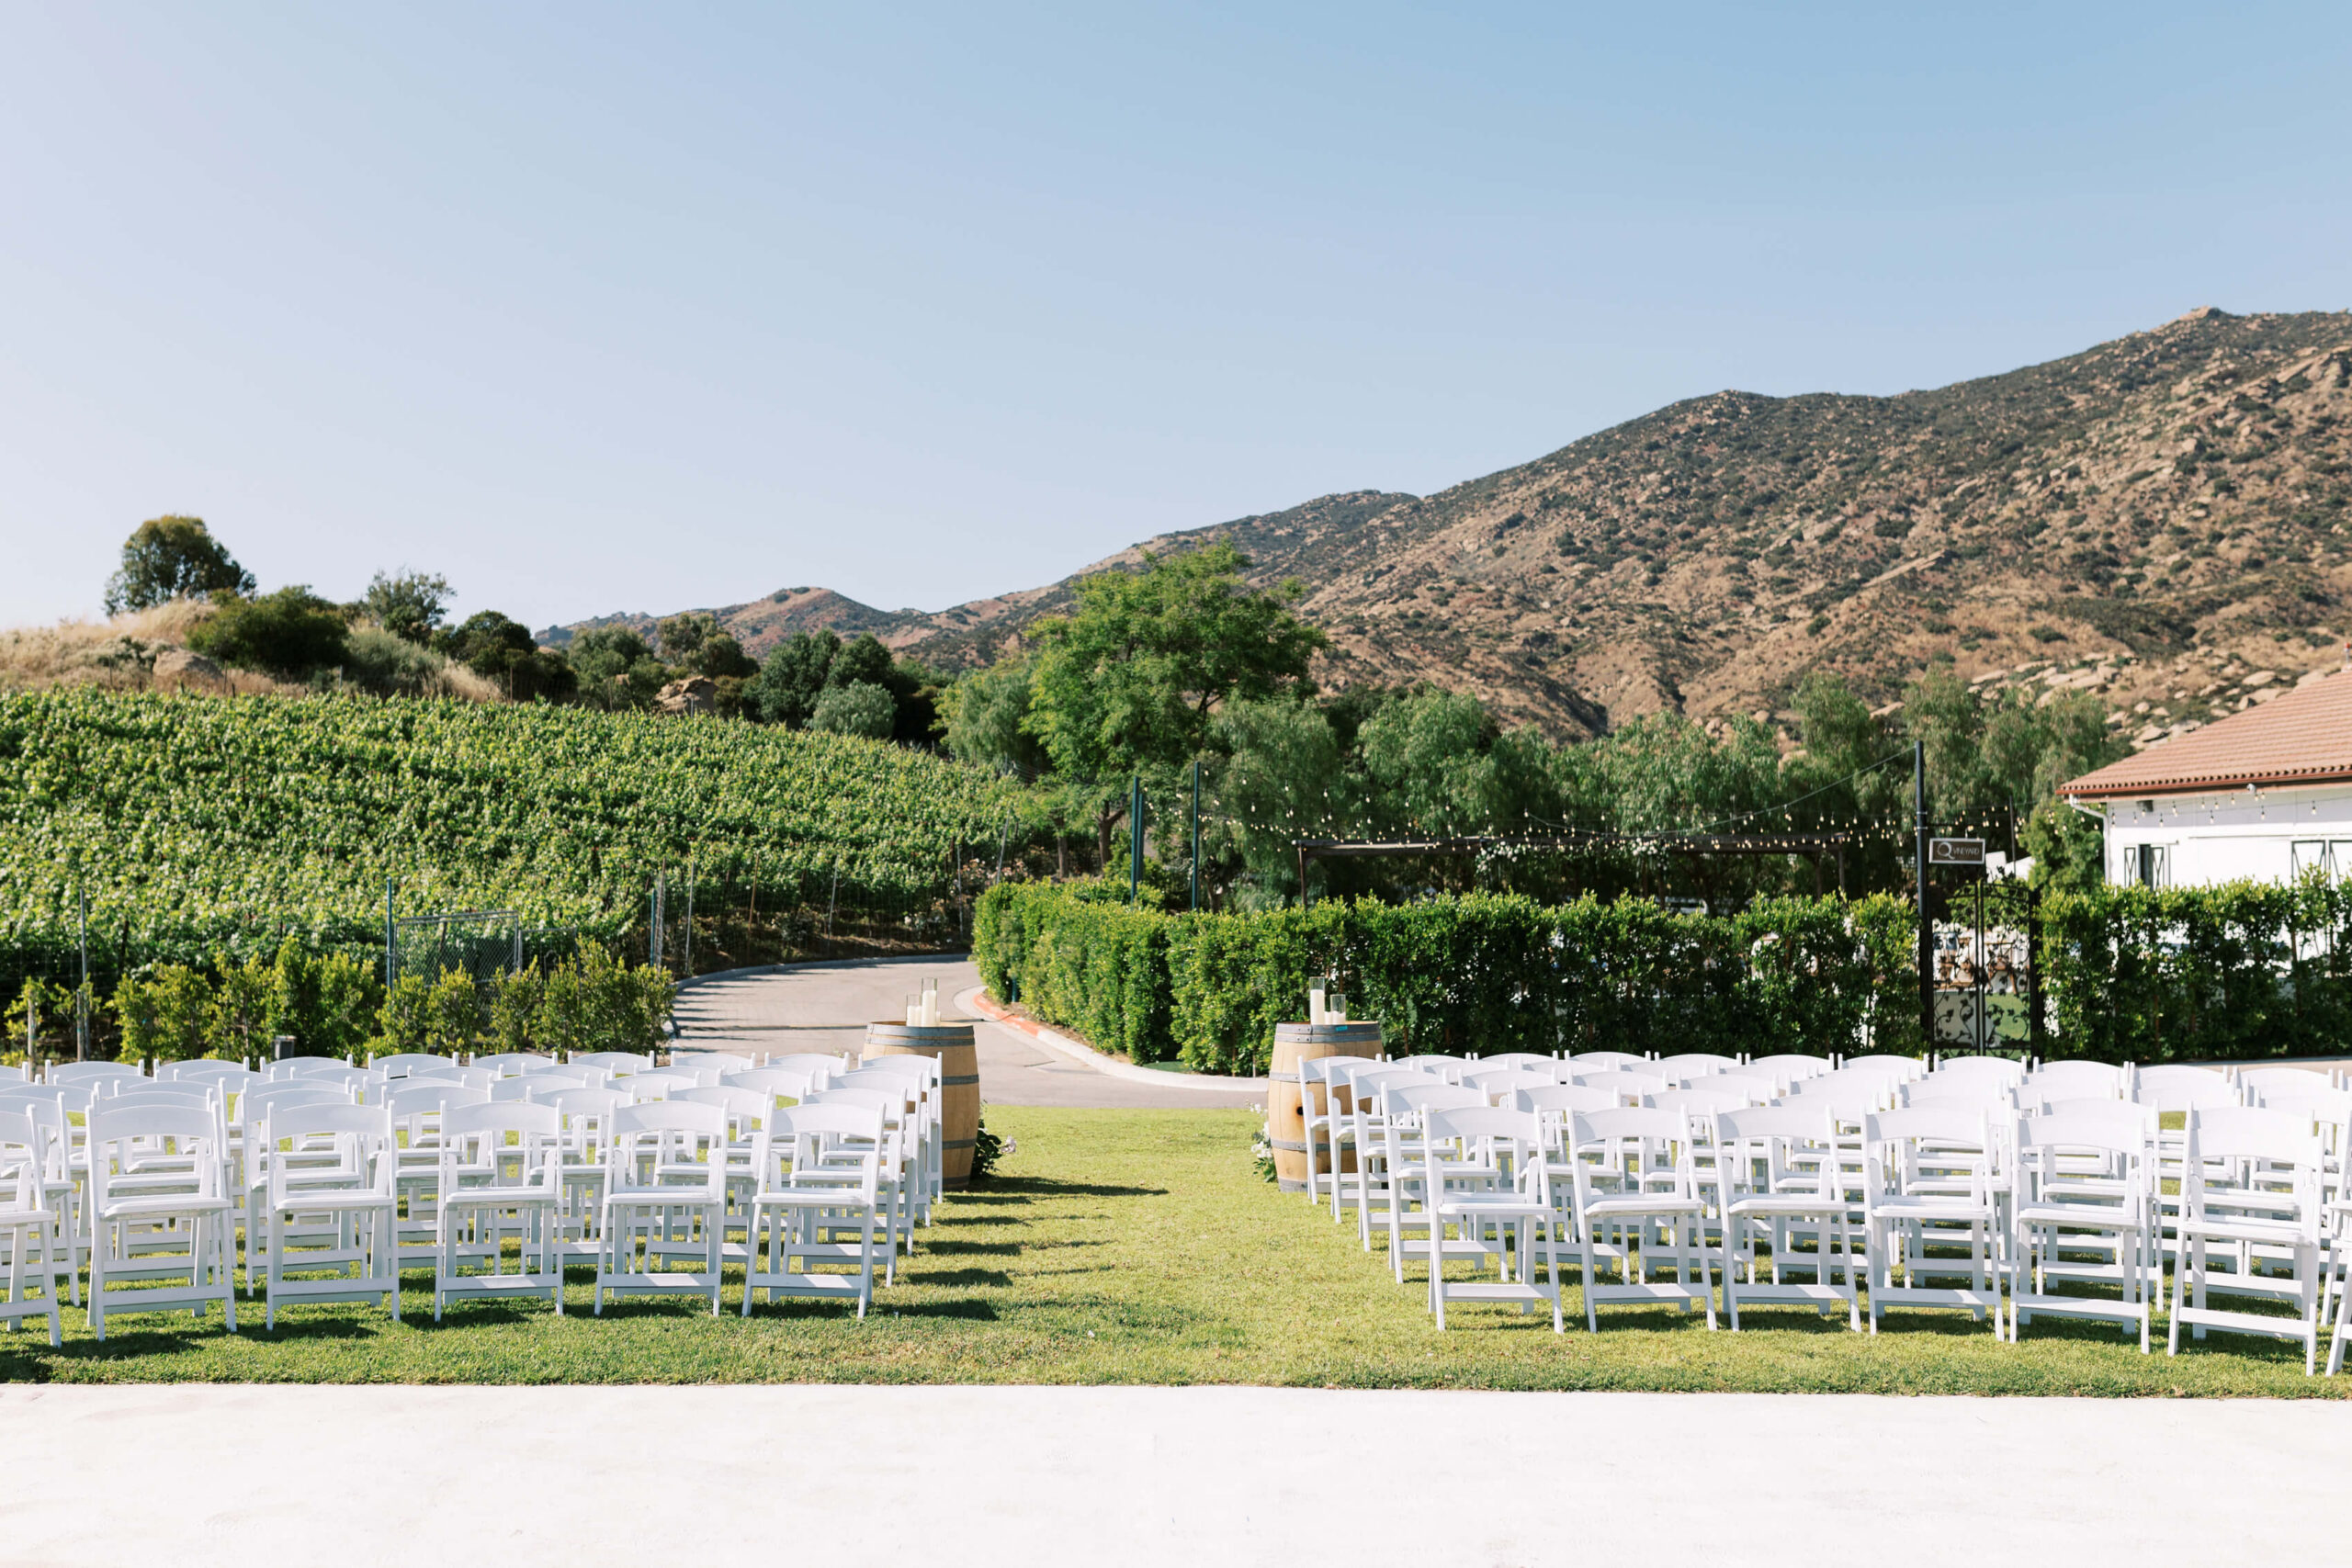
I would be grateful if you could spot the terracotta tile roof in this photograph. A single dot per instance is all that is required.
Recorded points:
(2302, 735)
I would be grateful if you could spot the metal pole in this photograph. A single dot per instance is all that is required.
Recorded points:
(387, 936)
(2033, 1029)
(1919, 870)
(82, 995)
(1196, 834)
(1135, 837)
(660, 888)
(688, 965)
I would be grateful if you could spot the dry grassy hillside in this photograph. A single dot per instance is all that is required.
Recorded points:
(2161, 519)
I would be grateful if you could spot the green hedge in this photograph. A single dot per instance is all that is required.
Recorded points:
(1476, 975)
(2241, 972)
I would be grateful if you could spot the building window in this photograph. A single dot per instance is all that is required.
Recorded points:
(2331, 857)
(2151, 865)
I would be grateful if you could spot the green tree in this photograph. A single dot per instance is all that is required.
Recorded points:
(863, 708)
(1129, 680)
(615, 668)
(986, 715)
(722, 659)
(787, 686)
(2014, 750)
(1282, 763)
(172, 558)
(409, 605)
(493, 644)
(290, 632)
(681, 636)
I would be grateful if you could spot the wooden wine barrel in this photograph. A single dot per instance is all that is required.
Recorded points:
(959, 1083)
(1285, 1118)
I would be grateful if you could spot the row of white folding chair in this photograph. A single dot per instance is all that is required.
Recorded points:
(40, 1264)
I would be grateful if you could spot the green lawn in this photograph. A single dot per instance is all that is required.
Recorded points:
(1138, 1247)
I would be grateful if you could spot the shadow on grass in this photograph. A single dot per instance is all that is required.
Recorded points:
(994, 1279)
(1029, 1189)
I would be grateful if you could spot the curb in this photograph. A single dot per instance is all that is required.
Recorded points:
(977, 1000)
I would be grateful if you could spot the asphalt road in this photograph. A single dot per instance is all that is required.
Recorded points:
(826, 1006)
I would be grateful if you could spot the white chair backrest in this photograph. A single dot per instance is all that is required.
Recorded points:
(1984, 1089)
(117, 1138)
(1630, 1088)
(2071, 1080)
(778, 1083)
(2259, 1080)
(650, 1140)
(1905, 1068)
(1418, 1099)
(531, 1086)
(2184, 1089)
(1787, 1069)
(509, 1141)
(614, 1061)
(1498, 1084)
(80, 1073)
(1702, 1105)
(401, 1063)
(801, 1137)
(1691, 1064)
(1535, 1060)
(1558, 1101)
(2007, 1073)
(1450, 1068)
(811, 1062)
(1607, 1061)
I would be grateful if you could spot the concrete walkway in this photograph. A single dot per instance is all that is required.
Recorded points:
(826, 1006)
(1040, 1477)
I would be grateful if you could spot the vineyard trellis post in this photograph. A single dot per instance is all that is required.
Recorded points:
(81, 992)
(389, 942)
(686, 965)
(654, 954)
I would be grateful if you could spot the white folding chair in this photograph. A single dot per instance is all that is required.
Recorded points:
(1778, 1179)
(1903, 1069)
(666, 1177)
(188, 1206)
(86, 1074)
(2250, 1192)
(1928, 1188)
(330, 1213)
(1402, 1108)
(1515, 1199)
(1368, 1184)
(820, 1179)
(1656, 1213)
(502, 1172)
(29, 1225)
(613, 1061)
(2056, 1217)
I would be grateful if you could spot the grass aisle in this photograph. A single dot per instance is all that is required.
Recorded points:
(1138, 1247)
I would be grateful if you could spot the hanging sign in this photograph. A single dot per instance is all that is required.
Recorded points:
(1955, 852)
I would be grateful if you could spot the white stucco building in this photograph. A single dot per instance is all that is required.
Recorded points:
(2262, 793)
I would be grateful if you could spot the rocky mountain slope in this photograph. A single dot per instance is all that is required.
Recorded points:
(2161, 519)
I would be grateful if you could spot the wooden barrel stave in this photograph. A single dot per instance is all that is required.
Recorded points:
(1285, 1115)
(959, 1075)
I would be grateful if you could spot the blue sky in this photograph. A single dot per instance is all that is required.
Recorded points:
(593, 308)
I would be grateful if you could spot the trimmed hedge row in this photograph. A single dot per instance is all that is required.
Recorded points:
(2129, 974)
(1475, 974)
(2241, 972)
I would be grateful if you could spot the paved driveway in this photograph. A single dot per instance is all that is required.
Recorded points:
(826, 1006)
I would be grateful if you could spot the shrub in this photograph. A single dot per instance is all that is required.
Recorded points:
(453, 1014)
(166, 1015)
(243, 1017)
(388, 664)
(290, 632)
(514, 1009)
(862, 708)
